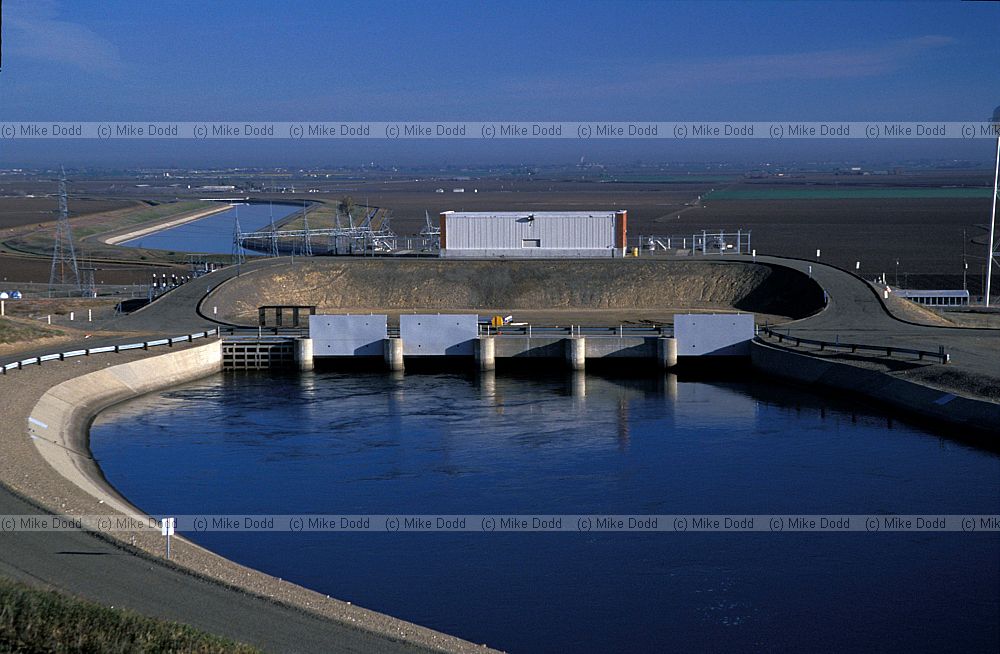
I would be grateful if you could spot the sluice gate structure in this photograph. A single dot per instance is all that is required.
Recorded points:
(461, 338)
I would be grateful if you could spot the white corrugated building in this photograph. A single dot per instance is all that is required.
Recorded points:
(494, 234)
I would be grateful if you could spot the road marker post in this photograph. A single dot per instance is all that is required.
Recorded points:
(167, 526)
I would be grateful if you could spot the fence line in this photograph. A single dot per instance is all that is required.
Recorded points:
(145, 345)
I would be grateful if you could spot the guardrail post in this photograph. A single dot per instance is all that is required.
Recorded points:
(145, 345)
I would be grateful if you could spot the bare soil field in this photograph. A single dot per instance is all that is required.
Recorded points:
(16, 269)
(17, 211)
(924, 220)
(926, 235)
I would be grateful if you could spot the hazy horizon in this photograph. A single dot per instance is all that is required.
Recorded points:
(588, 61)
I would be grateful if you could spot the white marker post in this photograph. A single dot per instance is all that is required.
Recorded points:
(71, 315)
(817, 254)
(3, 309)
(167, 529)
(90, 315)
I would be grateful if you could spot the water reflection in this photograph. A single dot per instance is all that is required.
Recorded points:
(518, 443)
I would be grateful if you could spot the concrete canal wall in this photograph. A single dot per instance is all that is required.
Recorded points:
(976, 416)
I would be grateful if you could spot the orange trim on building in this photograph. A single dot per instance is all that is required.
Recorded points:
(441, 225)
(621, 218)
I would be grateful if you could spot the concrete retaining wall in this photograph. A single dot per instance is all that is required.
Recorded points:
(911, 398)
(60, 420)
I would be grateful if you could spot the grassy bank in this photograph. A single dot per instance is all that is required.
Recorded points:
(16, 331)
(44, 621)
(39, 242)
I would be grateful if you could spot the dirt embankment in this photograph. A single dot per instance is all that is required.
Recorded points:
(341, 285)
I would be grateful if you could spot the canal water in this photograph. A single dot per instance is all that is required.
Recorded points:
(368, 443)
(214, 234)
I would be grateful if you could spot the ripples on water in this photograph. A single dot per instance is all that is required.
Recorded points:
(337, 443)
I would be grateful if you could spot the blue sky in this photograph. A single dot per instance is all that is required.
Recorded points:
(306, 60)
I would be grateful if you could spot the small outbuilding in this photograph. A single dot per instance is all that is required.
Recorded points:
(533, 234)
(936, 298)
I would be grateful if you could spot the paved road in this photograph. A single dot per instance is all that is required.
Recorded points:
(856, 314)
(89, 567)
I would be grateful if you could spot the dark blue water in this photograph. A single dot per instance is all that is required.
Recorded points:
(214, 234)
(450, 444)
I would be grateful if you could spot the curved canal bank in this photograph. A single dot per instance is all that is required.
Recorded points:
(977, 417)
(162, 226)
(48, 487)
(554, 443)
(61, 476)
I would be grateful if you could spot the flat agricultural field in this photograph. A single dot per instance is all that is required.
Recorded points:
(925, 220)
(17, 211)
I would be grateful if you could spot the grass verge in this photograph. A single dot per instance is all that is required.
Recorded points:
(16, 331)
(45, 621)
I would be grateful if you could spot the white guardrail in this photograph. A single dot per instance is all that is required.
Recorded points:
(145, 345)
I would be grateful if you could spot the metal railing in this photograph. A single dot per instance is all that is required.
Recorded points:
(392, 331)
(145, 345)
(887, 350)
(260, 332)
(620, 331)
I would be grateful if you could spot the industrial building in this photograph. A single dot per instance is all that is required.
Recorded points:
(934, 298)
(487, 234)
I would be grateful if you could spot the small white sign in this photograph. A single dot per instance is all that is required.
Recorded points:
(167, 526)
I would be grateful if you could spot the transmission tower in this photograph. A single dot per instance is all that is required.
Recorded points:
(64, 268)
(238, 257)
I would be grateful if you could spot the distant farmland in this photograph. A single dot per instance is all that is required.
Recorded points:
(849, 194)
